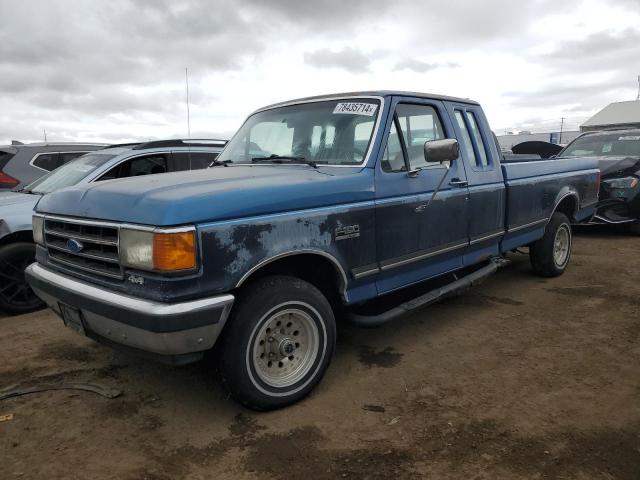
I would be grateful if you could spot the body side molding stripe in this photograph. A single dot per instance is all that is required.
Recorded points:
(527, 225)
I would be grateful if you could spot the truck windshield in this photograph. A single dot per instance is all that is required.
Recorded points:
(613, 144)
(335, 132)
(69, 173)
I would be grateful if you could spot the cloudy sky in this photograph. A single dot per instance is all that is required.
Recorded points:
(115, 70)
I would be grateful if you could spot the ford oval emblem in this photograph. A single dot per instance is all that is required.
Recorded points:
(74, 245)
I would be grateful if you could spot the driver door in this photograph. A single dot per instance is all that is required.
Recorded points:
(422, 231)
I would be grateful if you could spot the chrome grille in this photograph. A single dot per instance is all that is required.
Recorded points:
(98, 242)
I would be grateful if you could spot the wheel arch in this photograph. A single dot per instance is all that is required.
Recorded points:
(17, 236)
(568, 204)
(315, 266)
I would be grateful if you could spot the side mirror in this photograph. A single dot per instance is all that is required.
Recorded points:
(441, 151)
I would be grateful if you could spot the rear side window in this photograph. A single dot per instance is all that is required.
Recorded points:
(4, 158)
(475, 130)
(193, 160)
(68, 156)
(466, 144)
(52, 160)
(46, 161)
(135, 167)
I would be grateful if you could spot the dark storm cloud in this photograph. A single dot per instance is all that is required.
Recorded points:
(432, 23)
(87, 60)
(349, 59)
(73, 47)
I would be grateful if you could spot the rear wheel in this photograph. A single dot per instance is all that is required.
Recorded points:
(278, 343)
(16, 296)
(550, 255)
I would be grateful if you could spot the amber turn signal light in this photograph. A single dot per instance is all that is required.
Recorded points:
(174, 251)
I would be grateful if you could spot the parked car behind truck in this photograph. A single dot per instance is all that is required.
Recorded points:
(618, 155)
(21, 164)
(17, 249)
(319, 205)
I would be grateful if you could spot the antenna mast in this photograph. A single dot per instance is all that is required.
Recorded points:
(186, 77)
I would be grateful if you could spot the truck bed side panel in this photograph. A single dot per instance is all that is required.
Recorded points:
(535, 189)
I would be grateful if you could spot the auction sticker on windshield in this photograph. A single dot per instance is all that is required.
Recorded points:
(354, 108)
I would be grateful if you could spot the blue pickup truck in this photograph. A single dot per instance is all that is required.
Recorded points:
(315, 210)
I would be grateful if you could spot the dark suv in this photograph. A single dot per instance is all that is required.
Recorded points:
(21, 164)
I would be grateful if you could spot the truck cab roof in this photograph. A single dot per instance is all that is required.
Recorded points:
(372, 93)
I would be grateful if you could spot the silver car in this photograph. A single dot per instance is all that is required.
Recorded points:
(21, 164)
(17, 249)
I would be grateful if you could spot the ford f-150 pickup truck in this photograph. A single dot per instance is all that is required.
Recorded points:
(315, 210)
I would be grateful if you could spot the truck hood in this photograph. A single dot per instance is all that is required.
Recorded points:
(14, 198)
(612, 167)
(213, 194)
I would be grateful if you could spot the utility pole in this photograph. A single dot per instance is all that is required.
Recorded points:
(561, 129)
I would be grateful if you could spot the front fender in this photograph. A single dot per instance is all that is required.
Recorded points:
(344, 235)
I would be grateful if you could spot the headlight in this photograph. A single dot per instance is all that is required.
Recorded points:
(626, 182)
(38, 229)
(158, 250)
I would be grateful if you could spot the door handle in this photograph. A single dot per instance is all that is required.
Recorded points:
(456, 182)
(420, 208)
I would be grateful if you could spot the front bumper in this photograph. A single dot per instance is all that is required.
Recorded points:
(162, 329)
(616, 211)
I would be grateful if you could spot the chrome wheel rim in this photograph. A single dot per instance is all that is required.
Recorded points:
(561, 245)
(286, 347)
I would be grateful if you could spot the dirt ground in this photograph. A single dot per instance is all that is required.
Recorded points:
(521, 377)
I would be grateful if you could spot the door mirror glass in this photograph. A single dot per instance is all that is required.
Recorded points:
(441, 151)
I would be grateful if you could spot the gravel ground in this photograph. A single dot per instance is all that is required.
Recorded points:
(521, 377)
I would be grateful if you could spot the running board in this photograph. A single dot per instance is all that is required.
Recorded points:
(369, 321)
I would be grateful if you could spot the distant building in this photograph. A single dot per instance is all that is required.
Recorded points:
(615, 115)
(510, 140)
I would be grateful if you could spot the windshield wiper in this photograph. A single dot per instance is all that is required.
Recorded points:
(284, 159)
(219, 163)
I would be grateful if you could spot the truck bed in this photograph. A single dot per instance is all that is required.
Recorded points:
(535, 188)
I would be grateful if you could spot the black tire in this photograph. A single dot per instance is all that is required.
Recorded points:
(259, 306)
(16, 297)
(546, 258)
(634, 227)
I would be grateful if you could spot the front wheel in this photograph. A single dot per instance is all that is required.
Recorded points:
(278, 343)
(634, 227)
(550, 255)
(16, 296)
